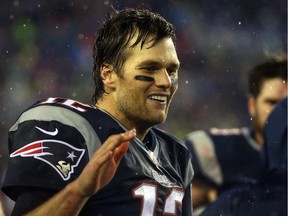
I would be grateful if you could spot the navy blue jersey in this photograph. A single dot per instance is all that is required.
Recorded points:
(52, 141)
(269, 196)
(251, 201)
(275, 136)
(225, 157)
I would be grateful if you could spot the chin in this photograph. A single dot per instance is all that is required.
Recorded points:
(150, 122)
(159, 120)
(154, 118)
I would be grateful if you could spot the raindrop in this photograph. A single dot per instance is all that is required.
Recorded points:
(85, 7)
(239, 23)
(186, 82)
(16, 3)
(81, 36)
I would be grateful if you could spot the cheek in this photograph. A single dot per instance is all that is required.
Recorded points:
(174, 89)
(265, 113)
(131, 94)
(267, 109)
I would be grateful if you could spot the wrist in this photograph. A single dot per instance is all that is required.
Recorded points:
(74, 191)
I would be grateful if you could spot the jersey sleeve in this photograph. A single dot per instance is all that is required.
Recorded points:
(47, 150)
(187, 202)
(204, 158)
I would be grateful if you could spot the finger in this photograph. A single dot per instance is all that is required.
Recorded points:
(98, 160)
(103, 158)
(115, 147)
(120, 151)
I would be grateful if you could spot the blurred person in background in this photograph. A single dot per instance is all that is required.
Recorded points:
(1, 202)
(269, 195)
(70, 158)
(5, 203)
(225, 158)
(1, 208)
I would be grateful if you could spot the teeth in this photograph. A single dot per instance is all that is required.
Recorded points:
(159, 98)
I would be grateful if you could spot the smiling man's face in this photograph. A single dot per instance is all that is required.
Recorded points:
(146, 103)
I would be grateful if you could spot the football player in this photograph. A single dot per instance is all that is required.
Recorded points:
(269, 195)
(225, 158)
(70, 158)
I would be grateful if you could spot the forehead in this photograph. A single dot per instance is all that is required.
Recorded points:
(163, 52)
(276, 88)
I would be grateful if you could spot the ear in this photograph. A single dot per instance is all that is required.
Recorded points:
(251, 105)
(108, 75)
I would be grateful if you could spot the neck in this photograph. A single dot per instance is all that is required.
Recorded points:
(259, 138)
(129, 125)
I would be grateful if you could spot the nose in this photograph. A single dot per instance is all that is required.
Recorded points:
(162, 79)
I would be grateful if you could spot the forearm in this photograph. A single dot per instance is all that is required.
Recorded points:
(96, 174)
(67, 202)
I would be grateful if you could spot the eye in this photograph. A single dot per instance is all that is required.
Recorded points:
(272, 102)
(149, 68)
(172, 72)
(173, 75)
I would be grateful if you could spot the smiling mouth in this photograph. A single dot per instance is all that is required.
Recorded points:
(160, 98)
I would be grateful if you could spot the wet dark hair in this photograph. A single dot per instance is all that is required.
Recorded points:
(112, 40)
(272, 68)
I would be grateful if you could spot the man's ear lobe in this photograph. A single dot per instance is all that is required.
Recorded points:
(107, 74)
(106, 71)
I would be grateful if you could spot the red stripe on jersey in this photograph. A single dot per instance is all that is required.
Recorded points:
(30, 149)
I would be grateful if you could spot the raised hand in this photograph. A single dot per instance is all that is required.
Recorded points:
(103, 165)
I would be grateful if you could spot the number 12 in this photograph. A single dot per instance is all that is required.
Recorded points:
(148, 193)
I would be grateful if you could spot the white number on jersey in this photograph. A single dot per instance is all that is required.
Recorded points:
(148, 192)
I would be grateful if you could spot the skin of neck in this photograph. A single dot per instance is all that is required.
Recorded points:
(105, 104)
(259, 138)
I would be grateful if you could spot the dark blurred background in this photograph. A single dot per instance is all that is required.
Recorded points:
(46, 50)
